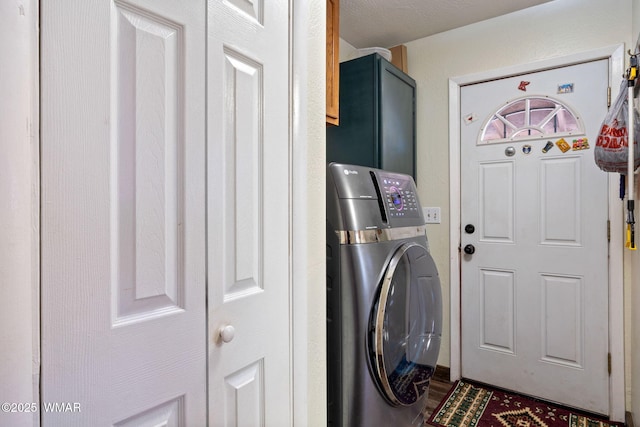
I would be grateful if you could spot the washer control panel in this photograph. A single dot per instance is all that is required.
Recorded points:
(400, 195)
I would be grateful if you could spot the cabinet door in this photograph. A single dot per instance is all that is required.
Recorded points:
(397, 120)
(355, 140)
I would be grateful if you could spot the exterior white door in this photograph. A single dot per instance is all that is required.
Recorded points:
(248, 213)
(146, 199)
(535, 289)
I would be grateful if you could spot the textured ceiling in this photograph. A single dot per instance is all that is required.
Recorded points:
(386, 23)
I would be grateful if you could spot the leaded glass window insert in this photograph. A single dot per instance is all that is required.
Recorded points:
(531, 117)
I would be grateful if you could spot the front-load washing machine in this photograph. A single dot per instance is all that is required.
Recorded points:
(384, 302)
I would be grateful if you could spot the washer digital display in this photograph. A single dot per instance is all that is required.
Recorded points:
(400, 195)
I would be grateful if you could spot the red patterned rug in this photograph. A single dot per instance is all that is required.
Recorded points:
(473, 405)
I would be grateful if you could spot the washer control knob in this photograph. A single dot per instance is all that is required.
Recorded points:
(469, 249)
(227, 333)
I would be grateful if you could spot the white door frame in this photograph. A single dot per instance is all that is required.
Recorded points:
(615, 55)
(308, 251)
(20, 211)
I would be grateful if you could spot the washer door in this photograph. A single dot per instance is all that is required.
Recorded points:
(405, 326)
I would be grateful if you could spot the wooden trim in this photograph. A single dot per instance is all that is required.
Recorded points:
(441, 373)
(333, 62)
(399, 57)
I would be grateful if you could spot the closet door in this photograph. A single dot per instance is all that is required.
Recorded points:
(249, 214)
(123, 224)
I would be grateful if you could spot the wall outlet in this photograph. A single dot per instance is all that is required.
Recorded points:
(431, 215)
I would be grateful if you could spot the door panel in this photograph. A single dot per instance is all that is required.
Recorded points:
(535, 291)
(123, 264)
(498, 324)
(560, 218)
(146, 169)
(496, 211)
(562, 330)
(248, 213)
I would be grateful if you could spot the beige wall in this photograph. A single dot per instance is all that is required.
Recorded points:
(554, 29)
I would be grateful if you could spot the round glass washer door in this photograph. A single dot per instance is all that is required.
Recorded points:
(405, 326)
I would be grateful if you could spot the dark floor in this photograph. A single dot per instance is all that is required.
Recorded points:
(438, 389)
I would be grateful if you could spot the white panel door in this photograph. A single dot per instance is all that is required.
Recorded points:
(248, 213)
(123, 219)
(535, 291)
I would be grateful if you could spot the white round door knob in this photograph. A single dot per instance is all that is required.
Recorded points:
(227, 333)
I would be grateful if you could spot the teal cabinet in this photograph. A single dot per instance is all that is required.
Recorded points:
(377, 117)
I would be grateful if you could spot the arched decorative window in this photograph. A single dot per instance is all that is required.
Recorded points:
(528, 118)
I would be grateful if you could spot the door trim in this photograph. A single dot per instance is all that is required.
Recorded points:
(20, 247)
(307, 165)
(615, 55)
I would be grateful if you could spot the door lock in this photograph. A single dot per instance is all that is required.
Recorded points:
(469, 228)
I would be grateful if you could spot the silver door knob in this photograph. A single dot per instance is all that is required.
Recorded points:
(227, 333)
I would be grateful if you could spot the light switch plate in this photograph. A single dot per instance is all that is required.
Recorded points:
(431, 215)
